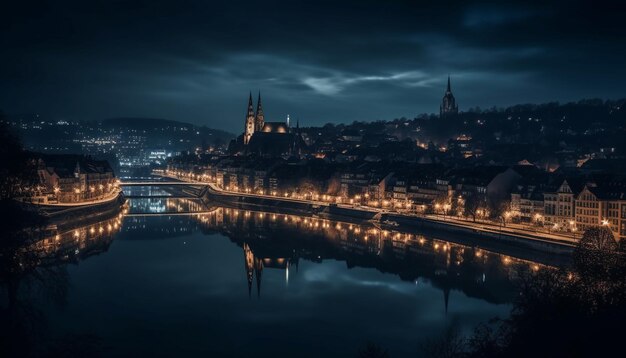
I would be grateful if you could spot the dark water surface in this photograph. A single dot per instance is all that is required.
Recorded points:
(232, 282)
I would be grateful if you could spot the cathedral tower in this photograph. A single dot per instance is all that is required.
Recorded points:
(448, 106)
(250, 122)
(259, 118)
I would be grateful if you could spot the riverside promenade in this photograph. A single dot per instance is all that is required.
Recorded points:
(512, 233)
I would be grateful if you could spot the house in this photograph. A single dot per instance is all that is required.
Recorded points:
(73, 178)
(602, 205)
(559, 205)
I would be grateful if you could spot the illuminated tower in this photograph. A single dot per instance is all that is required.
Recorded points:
(448, 105)
(259, 118)
(250, 122)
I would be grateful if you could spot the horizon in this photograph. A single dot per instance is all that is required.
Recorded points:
(331, 63)
(235, 132)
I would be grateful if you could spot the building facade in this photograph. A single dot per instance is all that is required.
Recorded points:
(596, 206)
(559, 207)
(87, 180)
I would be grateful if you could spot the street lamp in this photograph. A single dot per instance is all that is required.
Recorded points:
(507, 215)
(572, 228)
(446, 207)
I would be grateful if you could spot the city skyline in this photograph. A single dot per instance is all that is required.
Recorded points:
(91, 62)
(323, 178)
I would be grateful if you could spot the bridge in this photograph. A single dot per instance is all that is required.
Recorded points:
(181, 213)
(159, 183)
(187, 196)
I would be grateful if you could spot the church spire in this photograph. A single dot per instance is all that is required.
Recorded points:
(259, 118)
(448, 106)
(250, 105)
(250, 121)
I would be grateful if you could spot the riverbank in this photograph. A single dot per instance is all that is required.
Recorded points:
(64, 215)
(478, 233)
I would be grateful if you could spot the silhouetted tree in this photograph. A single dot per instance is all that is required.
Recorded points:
(597, 252)
(472, 205)
(15, 170)
(561, 313)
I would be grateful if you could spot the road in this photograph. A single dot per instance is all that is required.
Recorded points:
(486, 226)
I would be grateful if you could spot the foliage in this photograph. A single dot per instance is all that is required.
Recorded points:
(15, 170)
(597, 252)
(472, 205)
(561, 313)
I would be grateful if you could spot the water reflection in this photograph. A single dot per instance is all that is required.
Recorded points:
(147, 191)
(234, 280)
(279, 241)
(147, 206)
(78, 243)
(34, 275)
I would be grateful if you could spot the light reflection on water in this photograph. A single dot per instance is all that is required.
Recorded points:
(243, 282)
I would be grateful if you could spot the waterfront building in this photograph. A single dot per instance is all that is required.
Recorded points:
(487, 184)
(73, 178)
(559, 205)
(601, 206)
(527, 205)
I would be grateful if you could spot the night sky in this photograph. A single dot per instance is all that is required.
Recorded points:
(333, 61)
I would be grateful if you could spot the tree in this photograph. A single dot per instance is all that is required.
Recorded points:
(15, 170)
(596, 252)
(559, 312)
(565, 313)
(472, 206)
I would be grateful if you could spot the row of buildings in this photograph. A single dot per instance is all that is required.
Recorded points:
(573, 204)
(72, 179)
(521, 193)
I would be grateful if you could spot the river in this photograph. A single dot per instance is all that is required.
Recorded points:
(155, 280)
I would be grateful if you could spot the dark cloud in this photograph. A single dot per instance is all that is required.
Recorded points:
(318, 61)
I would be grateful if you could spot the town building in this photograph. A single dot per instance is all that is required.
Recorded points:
(560, 204)
(73, 178)
(601, 205)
